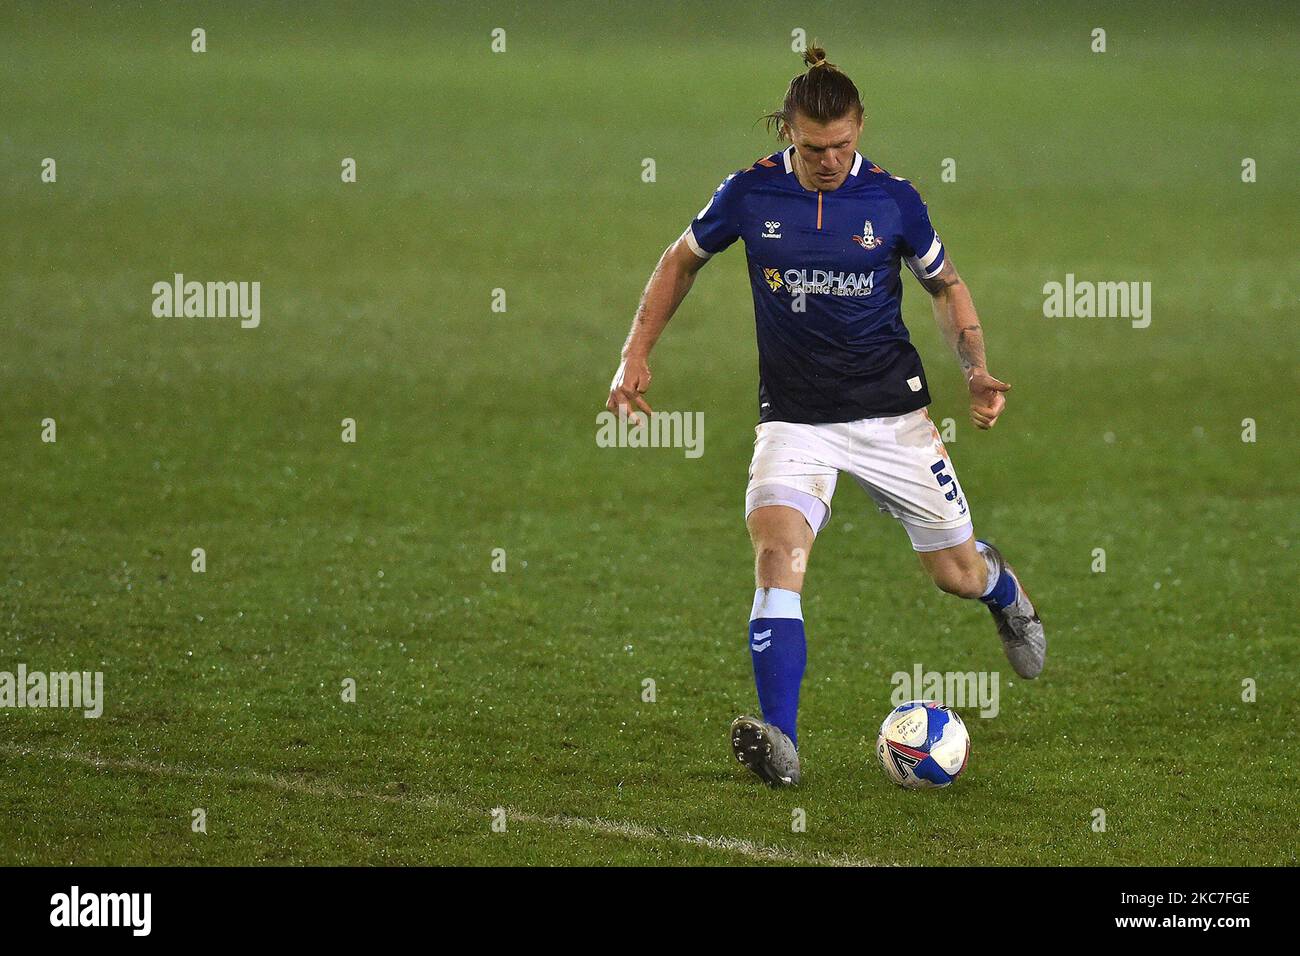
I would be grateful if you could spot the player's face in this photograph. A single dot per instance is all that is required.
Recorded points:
(825, 150)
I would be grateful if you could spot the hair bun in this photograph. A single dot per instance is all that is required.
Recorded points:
(815, 56)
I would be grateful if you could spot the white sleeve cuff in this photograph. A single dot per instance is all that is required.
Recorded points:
(689, 236)
(929, 265)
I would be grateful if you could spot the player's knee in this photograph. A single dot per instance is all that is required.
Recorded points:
(776, 552)
(960, 581)
(779, 562)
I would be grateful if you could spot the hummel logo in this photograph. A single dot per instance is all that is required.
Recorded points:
(773, 230)
(765, 637)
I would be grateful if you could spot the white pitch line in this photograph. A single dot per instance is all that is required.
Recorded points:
(618, 828)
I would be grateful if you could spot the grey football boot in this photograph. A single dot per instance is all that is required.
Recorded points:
(1018, 624)
(766, 750)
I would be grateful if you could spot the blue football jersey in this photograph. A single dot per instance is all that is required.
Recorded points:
(824, 268)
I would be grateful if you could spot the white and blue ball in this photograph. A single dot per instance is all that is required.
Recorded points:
(923, 744)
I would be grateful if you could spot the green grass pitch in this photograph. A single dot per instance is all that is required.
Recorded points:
(522, 689)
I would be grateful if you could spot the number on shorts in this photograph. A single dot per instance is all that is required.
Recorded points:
(944, 480)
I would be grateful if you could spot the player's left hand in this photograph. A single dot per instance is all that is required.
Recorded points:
(986, 398)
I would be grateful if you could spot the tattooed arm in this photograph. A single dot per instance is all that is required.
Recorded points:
(955, 313)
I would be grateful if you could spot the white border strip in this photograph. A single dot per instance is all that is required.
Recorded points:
(932, 252)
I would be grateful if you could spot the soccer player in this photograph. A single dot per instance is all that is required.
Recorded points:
(841, 389)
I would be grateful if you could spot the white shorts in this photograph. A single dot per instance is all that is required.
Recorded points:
(899, 461)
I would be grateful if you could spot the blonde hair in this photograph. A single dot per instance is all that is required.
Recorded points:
(822, 93)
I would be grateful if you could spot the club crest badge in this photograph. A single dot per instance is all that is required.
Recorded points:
(868, 239)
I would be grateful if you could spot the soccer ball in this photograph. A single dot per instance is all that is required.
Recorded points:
(923, 744)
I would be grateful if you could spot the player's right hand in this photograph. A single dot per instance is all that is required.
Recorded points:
(629, 385)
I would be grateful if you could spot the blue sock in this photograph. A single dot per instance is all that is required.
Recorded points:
(779, 651)
(1000, 591)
